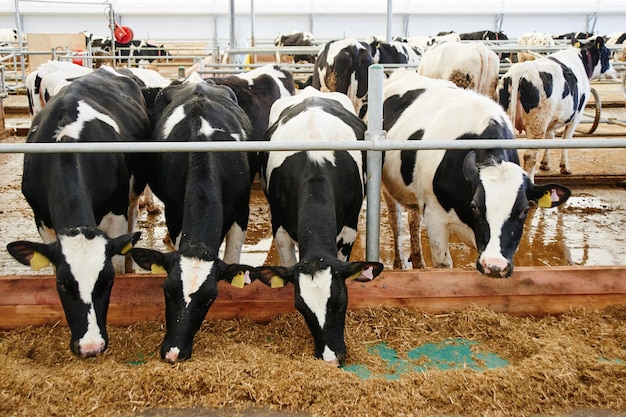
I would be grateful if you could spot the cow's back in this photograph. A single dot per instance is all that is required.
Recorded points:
(97, 108)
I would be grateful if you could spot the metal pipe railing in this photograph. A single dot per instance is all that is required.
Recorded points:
(374, 133)
(261, 145)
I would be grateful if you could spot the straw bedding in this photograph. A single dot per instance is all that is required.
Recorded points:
(555, 364)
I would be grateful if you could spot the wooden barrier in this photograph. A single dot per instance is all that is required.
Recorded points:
(33, 300)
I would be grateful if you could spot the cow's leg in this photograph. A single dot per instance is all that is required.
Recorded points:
(285, 247)
(415, 226)
(545, 161)
(394, 215)
(438, 238)
(530, 160)
(234, 242)
(568, 133)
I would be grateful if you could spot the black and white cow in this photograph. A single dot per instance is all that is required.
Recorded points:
(257, 90)
(206, 197)
(141, 52)
(297, 38)
(469, 65)
(617, 38)
(394, 52)
(573, 36)
(342, 66)
(315, 199)
(483, 196)
(546, 94)
(484, 35)
(81, 200)
(48, 79)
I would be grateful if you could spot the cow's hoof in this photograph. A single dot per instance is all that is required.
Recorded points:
(544, 167)
(566, 171)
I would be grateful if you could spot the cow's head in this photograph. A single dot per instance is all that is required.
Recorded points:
(321, 296)
(596, 58)
(501, 196)
(190, 289)
(82, 259)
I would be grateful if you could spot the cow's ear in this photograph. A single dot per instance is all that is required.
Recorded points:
(599, 42)
(121, 245)
(364, 271)
(470, 170)
(274, 276)
(151, 260)
(548, 195)
(237, 275)
(33, 254)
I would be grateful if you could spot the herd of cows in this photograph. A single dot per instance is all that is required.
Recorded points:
(85, 204)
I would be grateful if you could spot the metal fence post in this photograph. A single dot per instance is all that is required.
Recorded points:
(374, 161)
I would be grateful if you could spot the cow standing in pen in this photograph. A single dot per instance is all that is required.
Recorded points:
(550, 93)
(48, 79)
(81, 200)
(468, 65)
(342, 66)
(206, 197)
(481, 195)
(315, 199)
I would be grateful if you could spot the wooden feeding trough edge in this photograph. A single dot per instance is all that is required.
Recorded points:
(33, 299)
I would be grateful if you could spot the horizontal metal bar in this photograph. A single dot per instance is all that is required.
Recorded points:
(257, 146)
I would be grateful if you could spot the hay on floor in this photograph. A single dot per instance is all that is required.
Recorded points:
(574, 360)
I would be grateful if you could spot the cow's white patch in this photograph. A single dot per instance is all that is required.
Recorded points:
(86, 113)
(172, 354)
(501, 184)
(205, 128)
(86, 259)
(316, 125)
(348, 235)
(329, 356)
(92, 341)
(267, 70)
(175, 117)
(193, 273)
(315, 291)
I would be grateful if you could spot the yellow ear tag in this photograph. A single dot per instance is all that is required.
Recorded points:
(38, 261)
(546, 200)
(157, 269)
(238, 280)
(127, 248)
(277, 282)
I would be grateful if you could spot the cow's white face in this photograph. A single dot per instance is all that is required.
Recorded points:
(315, 291)
(502, 186)
(86, 259)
